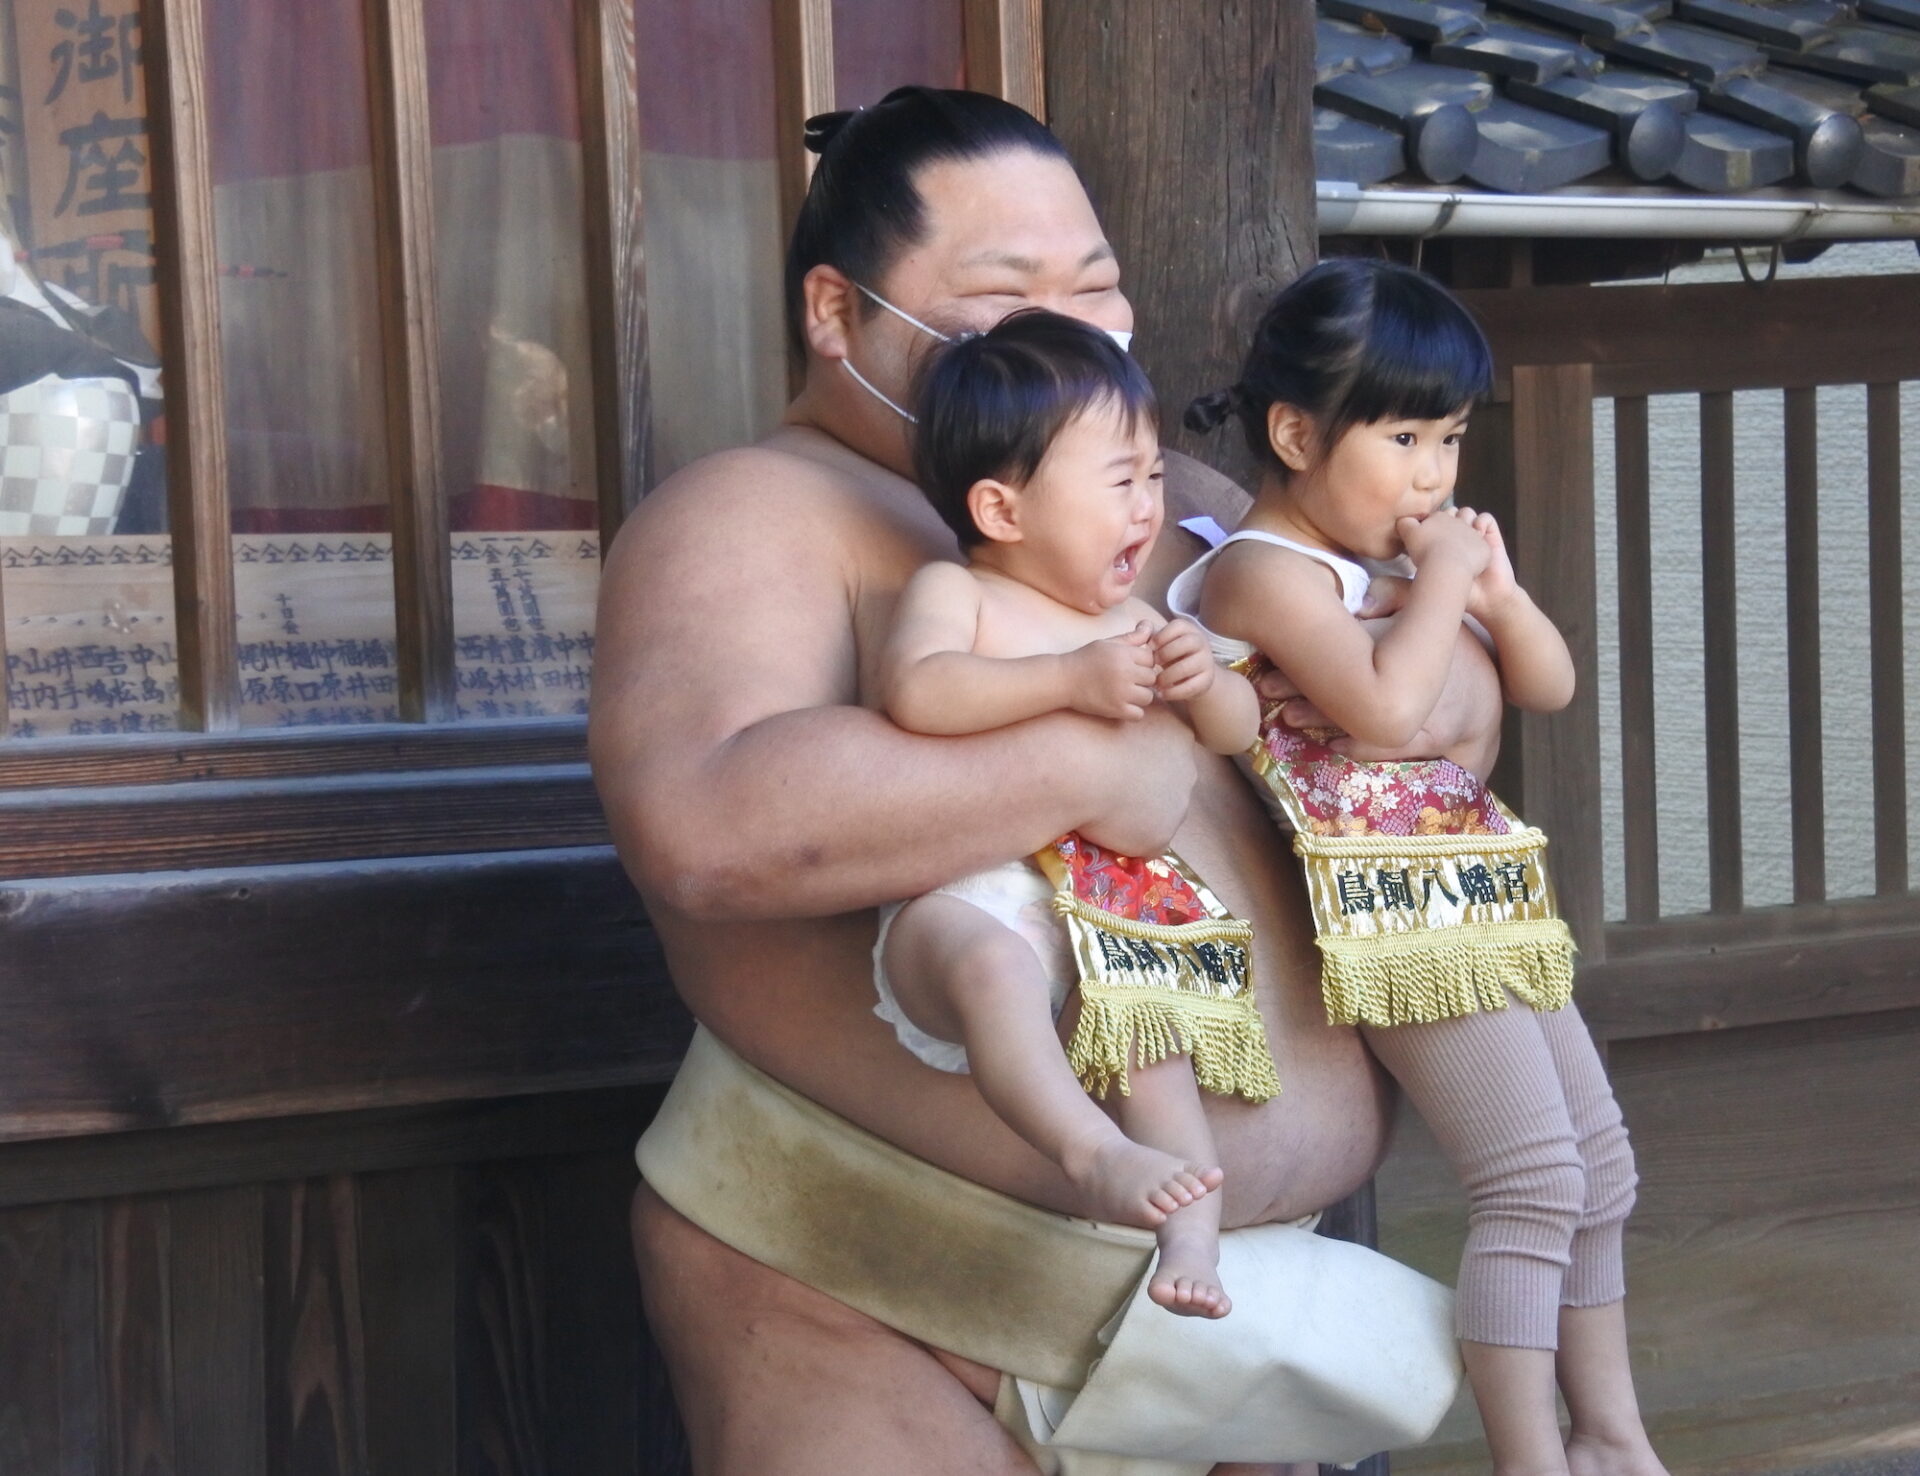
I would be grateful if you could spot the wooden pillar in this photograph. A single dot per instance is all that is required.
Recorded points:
(1551, 535)
(1191, 121)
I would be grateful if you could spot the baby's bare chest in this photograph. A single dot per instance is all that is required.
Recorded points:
(1015, 624)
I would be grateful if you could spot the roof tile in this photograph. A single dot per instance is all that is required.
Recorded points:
(1734, 95)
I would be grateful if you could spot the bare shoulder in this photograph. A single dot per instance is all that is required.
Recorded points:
(752, 496)
(1257, 586)
(1251, 569)
(944, 580)
(1196, 490)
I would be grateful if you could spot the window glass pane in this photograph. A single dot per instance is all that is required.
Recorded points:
(879, 45)
(516, 392)
(713, 235)
(300, 335)
(86, 581)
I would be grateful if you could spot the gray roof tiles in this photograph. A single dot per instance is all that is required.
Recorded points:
(1524, 96)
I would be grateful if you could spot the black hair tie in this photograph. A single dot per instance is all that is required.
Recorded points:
(1208, 411)
(822, 128)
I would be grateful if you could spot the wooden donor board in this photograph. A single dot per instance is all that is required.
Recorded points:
(90, 629)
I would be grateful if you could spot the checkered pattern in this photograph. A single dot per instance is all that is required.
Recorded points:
(66, 455)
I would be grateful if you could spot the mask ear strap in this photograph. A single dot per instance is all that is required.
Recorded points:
(868, 387)
(905, 318)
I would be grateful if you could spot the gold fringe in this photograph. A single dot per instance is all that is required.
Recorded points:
(1224, 1037)
(1412, 979)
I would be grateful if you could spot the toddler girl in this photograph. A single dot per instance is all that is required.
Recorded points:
(1038, 444)
(1437, 933)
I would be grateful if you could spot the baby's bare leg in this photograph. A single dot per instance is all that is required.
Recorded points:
(1164, 1111)
(962, 976)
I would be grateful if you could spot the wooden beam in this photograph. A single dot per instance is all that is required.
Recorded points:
(802, 87)
(1805, 723)
(1888, 639)
(616, 259)
(1193, 128)
(1709, 336)
(287, 753)
(1005, 48)
(1633, 523)
(253, 822)
(221, 996)
(1810, 972)
(397, 84)
(187, 250)
(1554, 542)
(1719, 599)
(234, 1153)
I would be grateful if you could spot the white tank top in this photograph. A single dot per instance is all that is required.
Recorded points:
(1183, 595)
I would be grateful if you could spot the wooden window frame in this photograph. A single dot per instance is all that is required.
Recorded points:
(214, 794)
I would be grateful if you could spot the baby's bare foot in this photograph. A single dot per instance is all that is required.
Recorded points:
(1132, 1184)
(1187, 1278)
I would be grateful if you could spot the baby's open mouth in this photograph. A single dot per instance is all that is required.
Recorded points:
(1128, 563)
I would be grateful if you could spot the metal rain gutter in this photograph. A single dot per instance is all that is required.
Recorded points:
(1350, 210)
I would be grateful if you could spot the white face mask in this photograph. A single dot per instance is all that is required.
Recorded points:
(1121, 336)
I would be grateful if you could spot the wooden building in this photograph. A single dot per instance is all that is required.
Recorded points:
(327, 1017)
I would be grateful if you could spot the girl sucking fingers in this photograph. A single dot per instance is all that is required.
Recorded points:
(1432, 901)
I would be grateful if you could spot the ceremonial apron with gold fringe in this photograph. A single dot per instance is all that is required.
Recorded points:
(1430, 898)
(1164, 968)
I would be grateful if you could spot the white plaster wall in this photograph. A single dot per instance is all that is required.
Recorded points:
(1761, 553)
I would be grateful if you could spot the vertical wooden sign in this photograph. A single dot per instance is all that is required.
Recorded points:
(88, 157)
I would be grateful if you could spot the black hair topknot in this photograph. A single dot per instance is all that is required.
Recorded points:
(863, 207)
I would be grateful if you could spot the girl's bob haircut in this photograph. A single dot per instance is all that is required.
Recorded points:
(1353, 341)
(990, 404)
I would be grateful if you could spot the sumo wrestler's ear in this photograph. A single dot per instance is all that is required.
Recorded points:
(1292, 434)
(996, 510)
(827, 309)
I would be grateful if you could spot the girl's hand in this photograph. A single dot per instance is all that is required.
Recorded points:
(1113, 678)
(1186, 660)
(1444, 536)
(1495, 587)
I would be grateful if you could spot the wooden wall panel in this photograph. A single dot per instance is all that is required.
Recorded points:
(596, 1354)
(218, 1331)
(502, 1332)
(479, 1317)
(32, 1286)
(411, 1272)
(136, 1344)
(82, 1407)
(316, 1354)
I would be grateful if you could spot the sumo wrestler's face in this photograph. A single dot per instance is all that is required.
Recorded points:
(1009, 231)
(1003, 232)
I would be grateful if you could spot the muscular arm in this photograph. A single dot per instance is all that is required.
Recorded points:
(738, 778)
